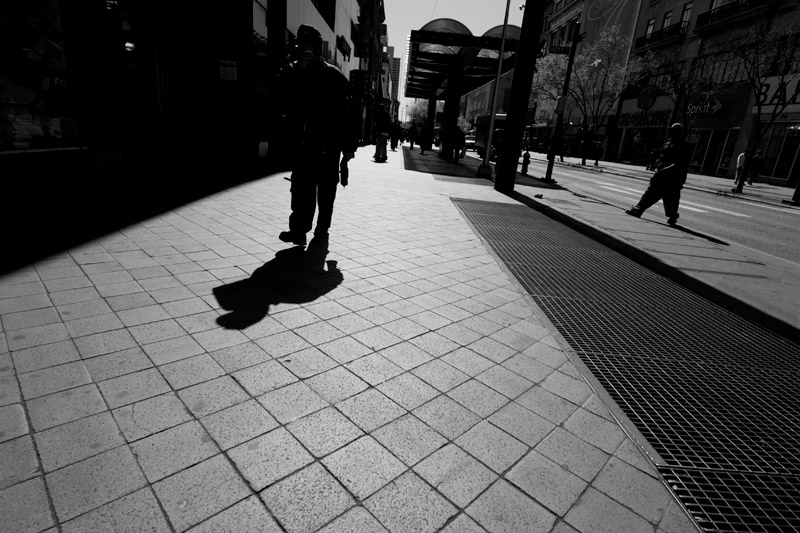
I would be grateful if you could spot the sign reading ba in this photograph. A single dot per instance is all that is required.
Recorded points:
(781, 92)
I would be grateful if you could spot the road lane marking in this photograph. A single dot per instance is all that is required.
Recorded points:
(717, 209)
(700, 208)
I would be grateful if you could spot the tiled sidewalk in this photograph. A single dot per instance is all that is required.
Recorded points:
(193, 372)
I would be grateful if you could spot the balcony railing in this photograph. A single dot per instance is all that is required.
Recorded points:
(671, 34)
(729, 13)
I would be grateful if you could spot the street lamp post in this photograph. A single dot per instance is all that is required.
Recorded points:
(558, 133)
(485, 171)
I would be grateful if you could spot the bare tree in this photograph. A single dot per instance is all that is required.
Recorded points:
(598, 78)
(691, 83)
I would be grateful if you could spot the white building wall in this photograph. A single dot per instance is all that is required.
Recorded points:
(304, 12)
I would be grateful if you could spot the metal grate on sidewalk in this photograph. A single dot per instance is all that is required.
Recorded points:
(715, 394)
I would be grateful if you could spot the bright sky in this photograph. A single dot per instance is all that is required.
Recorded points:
(403, 16)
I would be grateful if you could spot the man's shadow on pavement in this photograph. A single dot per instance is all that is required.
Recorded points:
(296, 275)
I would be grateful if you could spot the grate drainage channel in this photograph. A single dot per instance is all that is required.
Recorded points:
(713, 393)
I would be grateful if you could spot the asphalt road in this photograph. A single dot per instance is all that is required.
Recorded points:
(771, 229)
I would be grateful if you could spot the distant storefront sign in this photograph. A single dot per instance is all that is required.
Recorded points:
(227, 70)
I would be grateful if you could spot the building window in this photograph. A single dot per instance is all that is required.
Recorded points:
(667, 19)
(650, 24)
(687, 12)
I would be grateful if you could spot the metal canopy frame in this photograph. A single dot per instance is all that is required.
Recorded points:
(443, 45)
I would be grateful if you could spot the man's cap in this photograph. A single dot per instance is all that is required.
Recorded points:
(308, 34)
(677, 126)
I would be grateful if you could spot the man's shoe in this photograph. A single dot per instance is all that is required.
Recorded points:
(292, 237)
(633, 212)
(672, 221)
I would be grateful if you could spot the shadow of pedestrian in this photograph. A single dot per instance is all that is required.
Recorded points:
(709, 238)
(296, 275)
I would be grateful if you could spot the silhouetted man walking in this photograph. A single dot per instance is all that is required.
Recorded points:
(668, 180)
(319, 120)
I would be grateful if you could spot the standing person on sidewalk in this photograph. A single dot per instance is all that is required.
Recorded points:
(742, 167)
(395, 132)
(318, 118)
(668, 180)
(413, 133)
(381, 130)
(756, 162)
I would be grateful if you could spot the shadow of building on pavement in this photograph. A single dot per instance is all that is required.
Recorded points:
(296, 276)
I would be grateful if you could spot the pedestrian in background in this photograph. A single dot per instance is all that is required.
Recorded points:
(395, 132)
(668, 180)
(381, 130)
(425, 139)
(320, 121)
(756, 162)
(742, 163)
(413, 134)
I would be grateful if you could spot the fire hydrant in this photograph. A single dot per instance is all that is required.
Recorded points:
(526, 160)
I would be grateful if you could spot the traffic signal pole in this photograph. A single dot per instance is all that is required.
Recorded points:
(558, 133)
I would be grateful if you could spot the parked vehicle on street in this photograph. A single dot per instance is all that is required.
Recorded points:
(482, 134)
(469, 141)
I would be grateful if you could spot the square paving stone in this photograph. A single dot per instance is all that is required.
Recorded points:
(597, 512)
(235, 425)
(504, 381)
(269, 457)
(465, 524)
(265, 377)
(374, 369)
(25, 506)
(478, 398)
(406, 355)
(494, 447)
(307, 500)
(292, 402)
(547, 405)
(446, 416)
(319, 333)
(546, 482)
(521, 423)
(141, 419)
(435, 344)
(440, 375)
(93, 324)
(18, 461)
(74, 441)
(117, 364)
(103, 343)
(405, 328)
(283, 343)
(356, 520)
(595, 430)
(247, 515)
(409, 439)
(191, 371)
(212, 396)
(456, 474)
(467, 361)
(370, 410)
(636, 490)
(569, 388)
(36, 336)
(32, 359)
(199, 492)
(216, 339)
(83, 486)
(546, 354)
(62, 407)
(134, 387)
(528, 368)
(345, 349)
(376, 338)
(135, 512)
(307, 362)
(491, 349)
(337, 384)
(324, 431)
(573, 453)
(363, 466)
(53, 379)
(504, 509)
(240, 356)
(408, 390)
(409, 504)
(174, 349)
(174, 449)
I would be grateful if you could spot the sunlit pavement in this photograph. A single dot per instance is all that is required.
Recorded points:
(192, 371)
